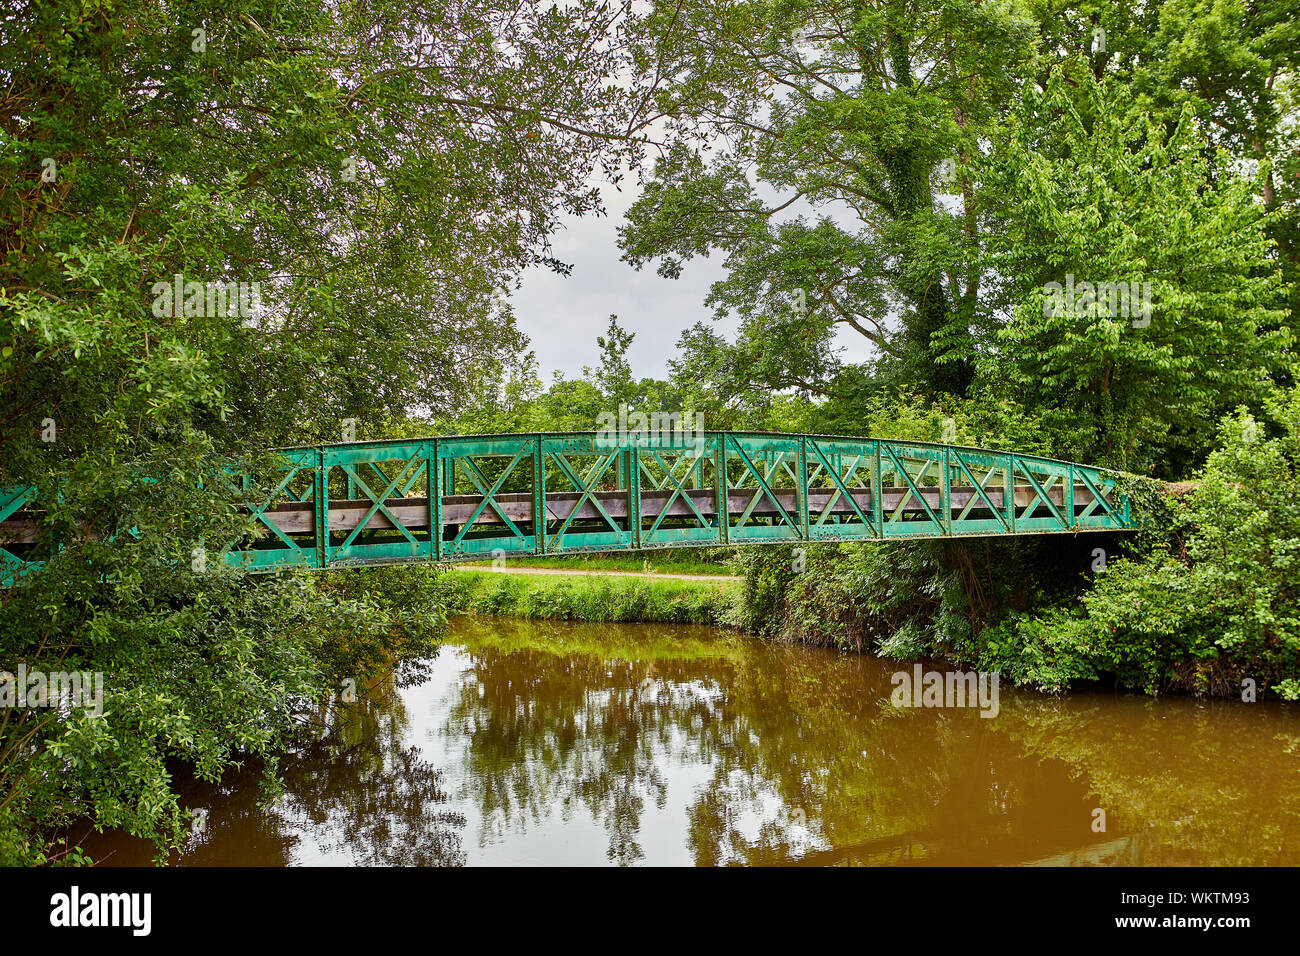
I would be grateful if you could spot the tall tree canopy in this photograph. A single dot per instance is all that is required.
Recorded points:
(915, 171)
(377, 170)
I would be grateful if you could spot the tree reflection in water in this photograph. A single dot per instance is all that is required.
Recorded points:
(357, 793)
(809, 762)
(804, 754)
(643, 743)
(374, 794)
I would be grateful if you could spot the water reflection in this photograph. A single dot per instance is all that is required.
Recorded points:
(547, 743)
(359, 793)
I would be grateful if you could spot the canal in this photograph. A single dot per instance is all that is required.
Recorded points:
(544, 743)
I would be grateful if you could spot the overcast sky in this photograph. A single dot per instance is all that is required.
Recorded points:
(562, 315)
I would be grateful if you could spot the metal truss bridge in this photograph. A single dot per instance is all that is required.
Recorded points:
(473, 497)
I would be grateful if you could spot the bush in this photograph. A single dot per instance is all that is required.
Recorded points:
(1203, 615)
(199, 670)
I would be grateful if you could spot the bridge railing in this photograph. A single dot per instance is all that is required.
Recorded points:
(471, 497)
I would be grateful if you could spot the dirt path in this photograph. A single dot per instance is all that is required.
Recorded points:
(661, 575)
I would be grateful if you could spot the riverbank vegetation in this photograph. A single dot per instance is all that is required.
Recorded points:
(589, 597)
(711, 561)
(918, 180)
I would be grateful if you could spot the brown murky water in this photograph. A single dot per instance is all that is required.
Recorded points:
(538, 743)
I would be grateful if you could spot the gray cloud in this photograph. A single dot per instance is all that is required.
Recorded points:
(562, 315)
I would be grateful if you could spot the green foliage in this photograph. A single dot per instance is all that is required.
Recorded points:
(1093, 192)
(206, 668)
(1220, 610)
(768, 575)
(380, 170)
(591, 598)
(614, 376)
(902, 600)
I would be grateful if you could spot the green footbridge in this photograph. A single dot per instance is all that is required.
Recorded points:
(474, 497)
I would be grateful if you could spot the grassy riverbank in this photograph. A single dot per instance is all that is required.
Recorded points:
(591, 598)
(669, 561)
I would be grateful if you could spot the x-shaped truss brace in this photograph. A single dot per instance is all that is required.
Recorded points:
(840, 487)
(1099, 498)
(764, 488)
(587, 489)
(981, 491)
(913, 489)
(679, 488)
(259, 513)
(377, 501)
(1041, 496)
(480, 481)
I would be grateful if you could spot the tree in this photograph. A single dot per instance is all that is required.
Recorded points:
(614, 375)
(1094, 192)
(864, 112)
(377, 171)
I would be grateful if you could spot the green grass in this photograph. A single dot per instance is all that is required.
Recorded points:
(612, 641)
(588, 598)
(668, 561)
